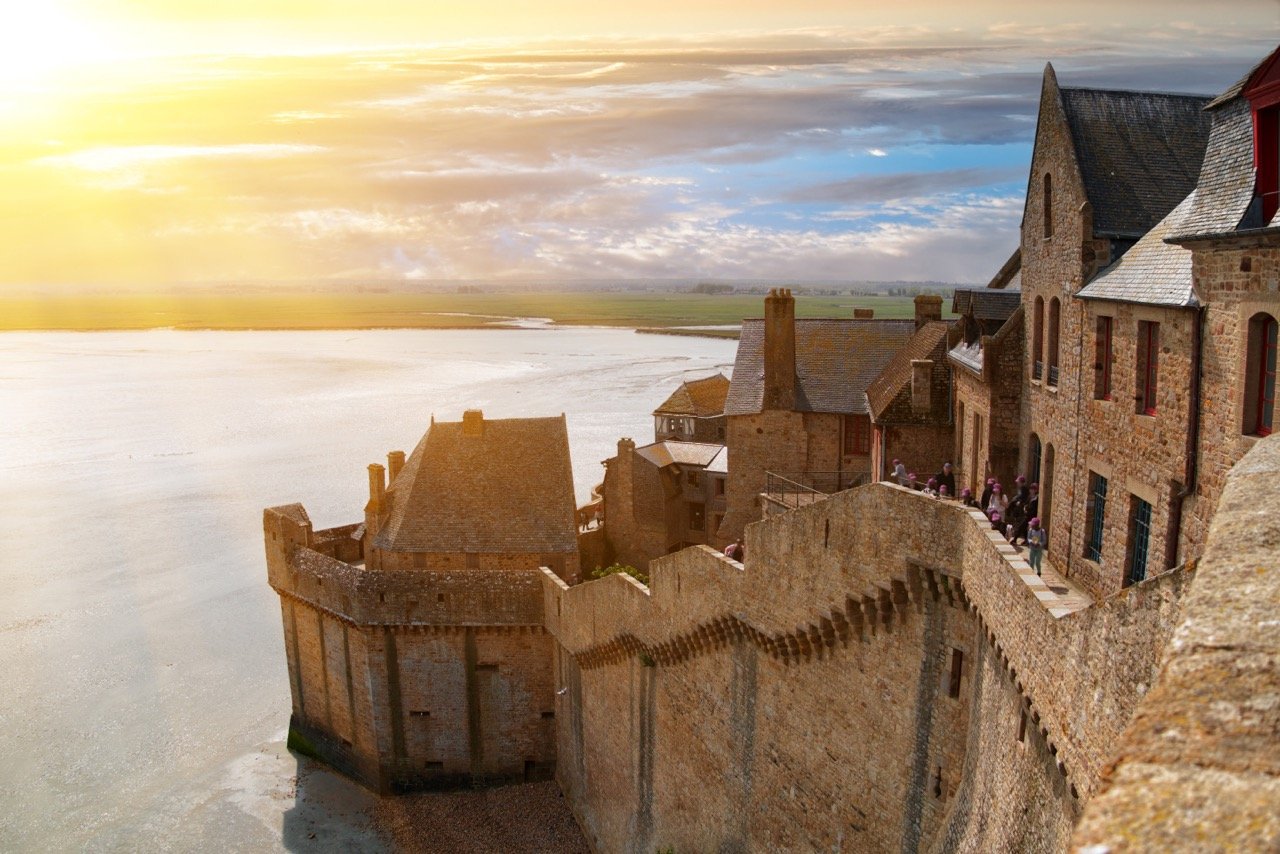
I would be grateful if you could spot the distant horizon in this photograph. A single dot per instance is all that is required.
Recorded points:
(159, 145)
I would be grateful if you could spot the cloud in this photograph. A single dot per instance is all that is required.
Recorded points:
(795, 155)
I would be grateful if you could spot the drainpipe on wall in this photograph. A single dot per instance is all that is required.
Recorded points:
(1191, 467)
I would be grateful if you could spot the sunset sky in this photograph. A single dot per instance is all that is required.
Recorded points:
(155, 142)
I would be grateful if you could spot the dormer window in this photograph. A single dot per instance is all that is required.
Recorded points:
(1263, 94)
(1266, 153)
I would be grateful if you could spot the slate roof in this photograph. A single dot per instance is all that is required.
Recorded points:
(1227, 179)
(929, 342)
(702, 398)
(1010, 273)
(509, 489)
(663, 454)
(836, 359)
(1139, 153)
(1152, 271)
(720, 463)
(986, 304)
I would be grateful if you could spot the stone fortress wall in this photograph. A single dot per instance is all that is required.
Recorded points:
(805, 701)
(411, 678)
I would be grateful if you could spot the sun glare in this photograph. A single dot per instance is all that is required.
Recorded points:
(41, 38)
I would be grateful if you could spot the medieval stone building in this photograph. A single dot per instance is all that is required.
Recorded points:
(416, 643)
(660, 498)
(694, 412)
(884, 671)
(797, 405)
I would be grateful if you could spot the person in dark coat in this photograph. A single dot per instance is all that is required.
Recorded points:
(1017, 516)
(986, 494)
(946, 478)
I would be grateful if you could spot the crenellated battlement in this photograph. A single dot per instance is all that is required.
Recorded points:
(879, 574)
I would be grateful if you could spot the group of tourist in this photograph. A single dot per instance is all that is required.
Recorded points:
(1015, 518)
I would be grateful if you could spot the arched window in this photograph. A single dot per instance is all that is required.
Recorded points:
(1048, 205)
(1037, 340)
(1033, 459)
(1260, 376)
(1052, 356)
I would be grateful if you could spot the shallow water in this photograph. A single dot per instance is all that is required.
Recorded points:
(145, 685)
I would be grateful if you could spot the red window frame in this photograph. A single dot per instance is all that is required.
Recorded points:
(857, 435)
(1264, 389)
(1104, 357)
(1148, 365)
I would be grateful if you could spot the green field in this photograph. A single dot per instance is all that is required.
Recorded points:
(401, 310)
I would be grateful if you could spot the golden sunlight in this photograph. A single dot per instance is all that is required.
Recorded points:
(39, 39)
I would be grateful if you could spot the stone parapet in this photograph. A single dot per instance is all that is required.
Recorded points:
(1198, 769)
(411, 597)
(863, 566)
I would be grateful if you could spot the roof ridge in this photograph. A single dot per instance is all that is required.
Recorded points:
(1162, 94)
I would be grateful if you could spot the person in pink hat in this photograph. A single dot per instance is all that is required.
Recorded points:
(1035, 543)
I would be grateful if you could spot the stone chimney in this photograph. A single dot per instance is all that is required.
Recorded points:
(921, 385)
(864, 313)
(473, 423)
(377, 488)
(779, 349)
(395, 462)
(928, 308)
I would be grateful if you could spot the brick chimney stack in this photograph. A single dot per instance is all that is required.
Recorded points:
(928, 309)
(377, 487)
(473, 423)
(395, 462)
(779, 349)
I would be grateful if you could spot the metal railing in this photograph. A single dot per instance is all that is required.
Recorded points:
(805, 487)
(1053, 375)
(1037, 369)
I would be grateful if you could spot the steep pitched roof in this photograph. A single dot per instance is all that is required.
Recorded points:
(1225, 190)
(1152, 271)
(986, 303)
(929, 342)
(663, 454)
(509, 489)
(702, 398)
(836, 359)
(1139, 153)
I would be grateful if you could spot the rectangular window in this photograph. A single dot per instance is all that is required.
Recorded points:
(857, 435)
(719, 486)
(1096, 510)
(1148, 363)
(1139, 541)
(957, 669)
(697, 520)
(1102, 359)
(691, 477)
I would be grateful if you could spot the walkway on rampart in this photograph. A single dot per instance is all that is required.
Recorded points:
(1059, 595)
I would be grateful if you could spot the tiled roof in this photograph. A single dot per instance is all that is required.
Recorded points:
(663, 454)
(836, 359)
(1010, 273)
(509, 489)
(929, 342)
(1226, 180)
(1152, 271)
(986, 303)
(703, 398)
(720, 463)
(1139, 153)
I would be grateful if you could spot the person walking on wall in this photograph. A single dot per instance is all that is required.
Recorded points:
(946, 478)
(900, 472)
(1035, 543)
